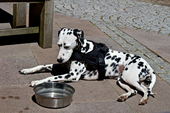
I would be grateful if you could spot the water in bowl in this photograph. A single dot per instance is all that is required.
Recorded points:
(54, 93)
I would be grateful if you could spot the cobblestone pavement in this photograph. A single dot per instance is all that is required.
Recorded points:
(107, 14)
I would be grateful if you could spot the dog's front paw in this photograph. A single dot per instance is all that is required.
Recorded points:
(34, 83)
(26, 71)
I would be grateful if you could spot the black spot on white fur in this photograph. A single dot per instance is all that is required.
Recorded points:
(72, 74)
(76, 62)
(114, 57)
(140, 65)
(144, 72)
(134, 59)
(107, 54)
(127, 57)
(67, 76)
(126, 69)
(108, 57)
(117, 60)
(60, 77)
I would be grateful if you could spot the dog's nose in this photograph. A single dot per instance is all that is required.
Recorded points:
(60, 60)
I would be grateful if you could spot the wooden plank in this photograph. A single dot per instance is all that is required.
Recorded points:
(46, 24)
(19, 15)
(19, 31)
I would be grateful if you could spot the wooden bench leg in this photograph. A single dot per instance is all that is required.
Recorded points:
(41, 14)
(46, 24)
(19, 15)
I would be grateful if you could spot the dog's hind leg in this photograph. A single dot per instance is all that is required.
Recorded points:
(143, 89)
(153, 80)
(130, 91)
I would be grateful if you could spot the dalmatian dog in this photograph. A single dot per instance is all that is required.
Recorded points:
(132, 72)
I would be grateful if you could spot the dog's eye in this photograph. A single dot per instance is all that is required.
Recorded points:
(59, 45)
(66, 47)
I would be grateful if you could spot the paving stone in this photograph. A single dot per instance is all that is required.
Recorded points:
(121, 41)
(158, 59)
(164, 64)
(154, 66)
(130, 49)
(145, 50)
(11, 66)
(160, 71)
(115, 38)
(151, 55)
(102, 107)
(167, 68)
(168, 81)
(125, 45)
(15, 50)
(164, 76)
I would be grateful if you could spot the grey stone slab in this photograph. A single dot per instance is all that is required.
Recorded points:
(15, 50)
(69, 22)
(10, 66)
(93, 91)
(45, 56)
(98, 107)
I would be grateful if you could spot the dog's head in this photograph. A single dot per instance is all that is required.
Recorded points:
(68, 39)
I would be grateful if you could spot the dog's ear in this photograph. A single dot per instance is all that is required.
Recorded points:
(80, 35)
(60, 30)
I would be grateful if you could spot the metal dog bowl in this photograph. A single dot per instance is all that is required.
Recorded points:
(54, 94)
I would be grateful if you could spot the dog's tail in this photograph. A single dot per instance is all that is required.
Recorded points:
(153, 80)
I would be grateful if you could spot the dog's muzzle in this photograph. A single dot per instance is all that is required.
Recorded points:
(60, 60)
